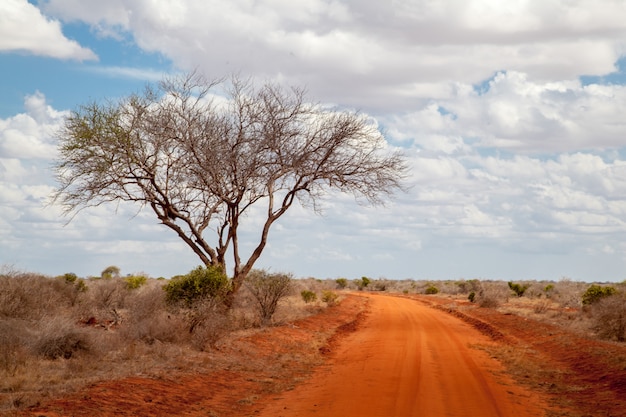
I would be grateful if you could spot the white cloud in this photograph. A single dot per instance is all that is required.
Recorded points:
(30, 135)
(514, 113)
(146, 75)
(24, 29)
(367, 53)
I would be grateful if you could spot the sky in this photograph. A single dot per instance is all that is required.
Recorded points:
(512, 116)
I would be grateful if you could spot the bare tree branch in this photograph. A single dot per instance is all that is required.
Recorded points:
(201, 161)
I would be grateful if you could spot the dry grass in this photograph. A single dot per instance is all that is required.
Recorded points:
(56, 338)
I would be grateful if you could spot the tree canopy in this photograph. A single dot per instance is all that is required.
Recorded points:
(200, 154)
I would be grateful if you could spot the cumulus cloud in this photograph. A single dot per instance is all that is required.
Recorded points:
(24, 29)
(30, 135)
(368, 53)
(513, 113)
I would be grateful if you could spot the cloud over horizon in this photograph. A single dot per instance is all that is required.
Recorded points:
(515, 137)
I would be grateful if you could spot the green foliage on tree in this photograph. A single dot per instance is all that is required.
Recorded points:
(110, 272)
(472, 297)
(596, 293)
(518, 289)
(199, 284)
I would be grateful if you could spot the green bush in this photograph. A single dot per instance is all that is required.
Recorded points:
(201, 283)
(69, 278)
(308, 296)
(329, 297)
(472, 297)
(595, 293)
(362, 283)
(341, 283)
(431, 289)
(518, 289)
(133, 282)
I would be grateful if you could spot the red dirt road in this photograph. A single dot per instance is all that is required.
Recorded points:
(407, 359)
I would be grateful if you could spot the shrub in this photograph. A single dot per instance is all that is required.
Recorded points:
(609, 317)
(362, 283)
(148, 319)
(134, 282)
(30, 296)
(61, 339)
(492, 294)
(431, 289)
(308, 296)
(518, 289)
(107, 298)
(12, 336)
(208, 322)
(471, 297)
(70, 277)
(200, 283)
(329, 297)
(595, 293)
(268, 289)
(471, 285)
(341, 283)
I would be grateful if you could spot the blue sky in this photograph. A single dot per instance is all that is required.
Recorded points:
(511, 115)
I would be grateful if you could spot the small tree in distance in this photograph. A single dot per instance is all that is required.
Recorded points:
(110, 272)
(201, 163)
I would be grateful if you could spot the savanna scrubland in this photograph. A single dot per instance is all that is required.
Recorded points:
(60, 335)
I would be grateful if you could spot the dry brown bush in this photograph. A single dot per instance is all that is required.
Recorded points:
(268, 289)
(59, 337)
(29, 296)
(608, 317)
(492, 294)
(13, 334)
(147, 319)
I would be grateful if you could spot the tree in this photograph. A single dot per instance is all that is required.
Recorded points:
(110, 272)
(201, 161)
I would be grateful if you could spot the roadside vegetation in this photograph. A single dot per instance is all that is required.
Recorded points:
(58, 334)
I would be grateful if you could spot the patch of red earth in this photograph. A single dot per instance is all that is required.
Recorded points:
(583, 375)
